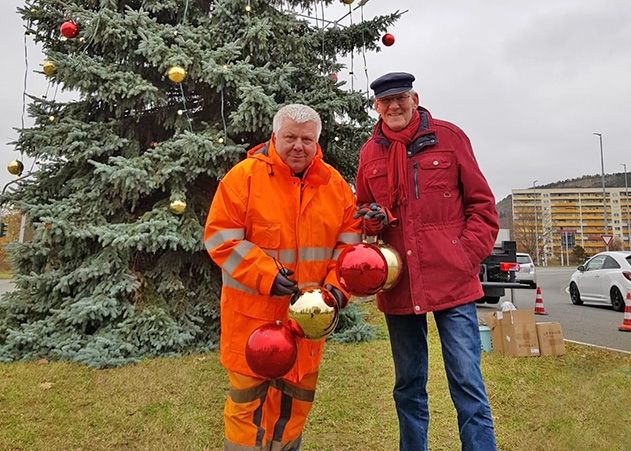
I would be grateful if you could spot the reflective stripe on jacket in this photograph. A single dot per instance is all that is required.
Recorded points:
(447, 225)
(261, 212)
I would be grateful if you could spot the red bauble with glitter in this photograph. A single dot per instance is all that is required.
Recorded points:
(387, 39)
(333, 77)
(362, 269)
(271, 350)
(69, 29)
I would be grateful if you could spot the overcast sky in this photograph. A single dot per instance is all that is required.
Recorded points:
(529, 81)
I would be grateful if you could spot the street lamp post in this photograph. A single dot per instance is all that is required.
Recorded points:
(626, 195)
(602, 169)
(534, 190)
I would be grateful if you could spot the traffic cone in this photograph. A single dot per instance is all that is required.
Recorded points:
(626, 323)
(539, 310)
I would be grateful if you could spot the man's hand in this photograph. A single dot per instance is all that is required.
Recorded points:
(283, 285)
(338, 295)
(374, 217)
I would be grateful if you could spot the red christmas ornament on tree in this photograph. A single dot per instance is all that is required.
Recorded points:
(69, 29)
(387, 39)
(333, 77)
(362, 269)
(271, 350)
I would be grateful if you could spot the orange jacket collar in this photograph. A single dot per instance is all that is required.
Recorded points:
(317, 173)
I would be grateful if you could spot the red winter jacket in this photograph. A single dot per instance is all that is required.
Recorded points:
(447, 225)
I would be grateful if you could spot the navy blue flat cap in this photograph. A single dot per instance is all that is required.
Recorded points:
(392, 83)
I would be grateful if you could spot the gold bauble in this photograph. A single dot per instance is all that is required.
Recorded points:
(315, 310)
(15, 167)
(49, 68)
(395, 264)
(176, 74)
(177, 207)
(347, 2)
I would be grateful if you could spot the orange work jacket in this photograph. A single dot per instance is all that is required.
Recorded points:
(262, 212)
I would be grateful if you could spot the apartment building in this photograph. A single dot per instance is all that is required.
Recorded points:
(554, 221)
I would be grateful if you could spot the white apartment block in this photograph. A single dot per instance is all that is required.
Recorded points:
(561, 218)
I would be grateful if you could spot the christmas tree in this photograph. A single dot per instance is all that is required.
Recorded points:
(170, 94)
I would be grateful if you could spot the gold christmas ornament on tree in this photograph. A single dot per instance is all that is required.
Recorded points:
(49, 68)
(347, 2)
(15, 167)
(177, 207)
(176, 74)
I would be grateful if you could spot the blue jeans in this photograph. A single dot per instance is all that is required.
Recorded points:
(460, 339)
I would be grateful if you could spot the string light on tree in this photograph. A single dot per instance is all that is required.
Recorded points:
(177, 207)
(176, 74)
(69, 29)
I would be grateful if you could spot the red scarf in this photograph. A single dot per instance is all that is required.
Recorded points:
(397, 158)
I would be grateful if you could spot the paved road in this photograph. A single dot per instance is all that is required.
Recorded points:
(5, 285)
(595, 324)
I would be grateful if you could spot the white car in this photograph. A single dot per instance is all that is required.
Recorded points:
(527, 272)
(606, 277)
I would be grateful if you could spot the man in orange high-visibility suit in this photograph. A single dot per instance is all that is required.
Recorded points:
(282, 207)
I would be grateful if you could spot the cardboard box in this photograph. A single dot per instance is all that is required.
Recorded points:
(550, 337)
(514, 333)
(493, 322)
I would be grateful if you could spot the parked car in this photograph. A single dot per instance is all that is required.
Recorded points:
(527, 272)
(606, 277)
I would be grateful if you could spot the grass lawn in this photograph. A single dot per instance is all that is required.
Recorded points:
(581, 401)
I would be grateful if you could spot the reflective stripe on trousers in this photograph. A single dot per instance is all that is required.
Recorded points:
(263, 415)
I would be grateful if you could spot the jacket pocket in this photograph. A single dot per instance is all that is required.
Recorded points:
(466, 261)
(438, 171)
(265, 234)
(377, 177)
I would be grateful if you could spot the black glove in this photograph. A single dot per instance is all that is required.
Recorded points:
(374, 218)
(283, 285)
(372, 212)
(338, 295)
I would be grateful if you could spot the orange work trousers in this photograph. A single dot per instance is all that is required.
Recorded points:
(262, 415)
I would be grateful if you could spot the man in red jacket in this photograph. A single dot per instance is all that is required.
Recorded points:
(420, 187)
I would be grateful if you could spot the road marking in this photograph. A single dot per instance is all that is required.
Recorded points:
(596, 346)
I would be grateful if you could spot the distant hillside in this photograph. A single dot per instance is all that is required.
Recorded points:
(504, 206)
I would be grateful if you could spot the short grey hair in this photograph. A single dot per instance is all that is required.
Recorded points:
(299, 113)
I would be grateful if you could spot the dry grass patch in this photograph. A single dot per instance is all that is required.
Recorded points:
(576, 402)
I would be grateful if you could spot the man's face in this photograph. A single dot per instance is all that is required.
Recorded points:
(396, 110)
(296, 143)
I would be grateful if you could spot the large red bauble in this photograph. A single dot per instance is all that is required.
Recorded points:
(362, 269)
(387, 39)
(271, 350)
(69, 29)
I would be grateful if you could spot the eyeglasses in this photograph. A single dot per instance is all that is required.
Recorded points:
(400, 99)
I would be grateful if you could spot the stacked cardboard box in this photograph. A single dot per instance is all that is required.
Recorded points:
(517, 333)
